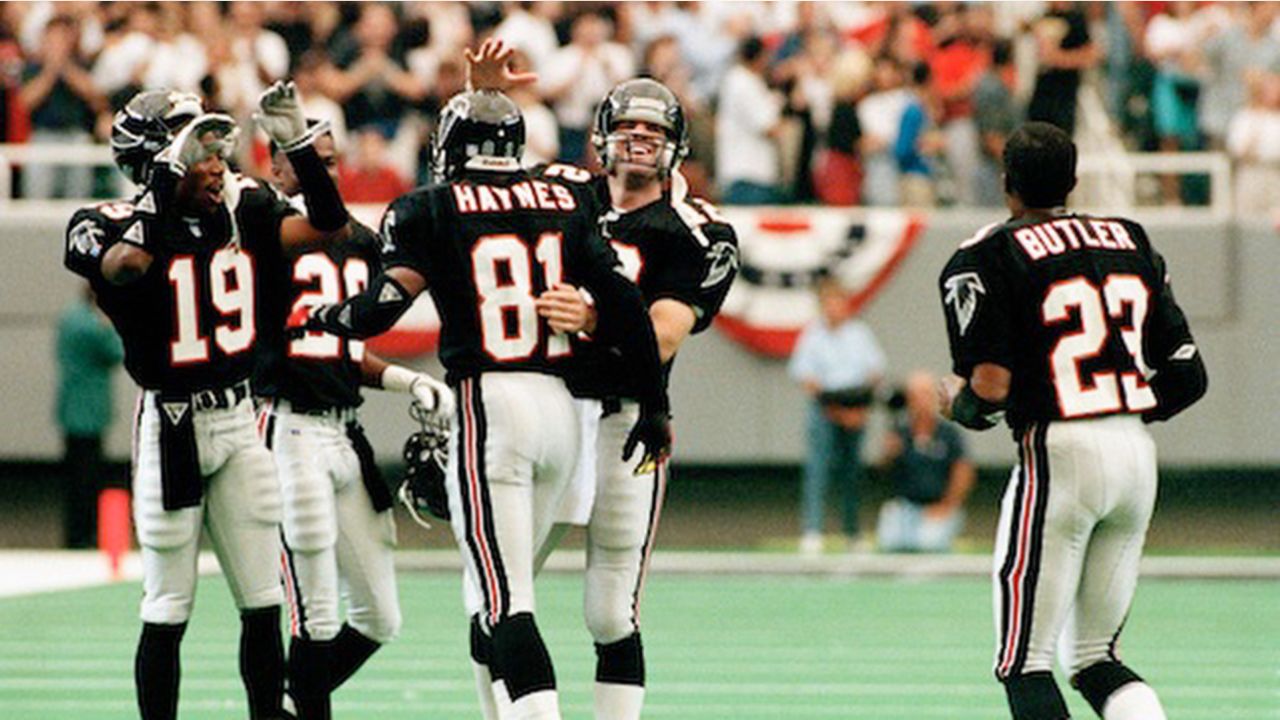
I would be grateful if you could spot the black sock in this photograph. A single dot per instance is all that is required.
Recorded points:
(309, 678)
(157, 669)
(520, 657)
(1035, 696)
(349, 651)
(621, 662)
(262, 661)
(1098, 681)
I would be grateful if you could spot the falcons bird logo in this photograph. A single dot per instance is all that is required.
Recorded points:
(962, 295)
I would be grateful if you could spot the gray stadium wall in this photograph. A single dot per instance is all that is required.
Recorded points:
(734, 407)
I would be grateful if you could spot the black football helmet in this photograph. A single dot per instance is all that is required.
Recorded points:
(647, 100)
(146, 125)
(476, 130)
(426, 457)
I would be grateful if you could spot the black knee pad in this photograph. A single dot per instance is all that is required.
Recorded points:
(1035, 696)
(520, 657)
(621, 662)
(1098, 681)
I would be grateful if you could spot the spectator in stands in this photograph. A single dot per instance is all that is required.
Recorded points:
(748, 122)
(1172, 43)
(366, 175)
(1253, 140)
(963, 36)
(64, 103)
(931, 475)
(310, 73)
(996, 116)
(374, 86)
(1065, 50)
(529, 27)
(837, 177)
(919, 142)
(88, 349)
(541, 134)
(579, 74)
(880, 117)
(119, 69)
(1245, 46)
(838, 363)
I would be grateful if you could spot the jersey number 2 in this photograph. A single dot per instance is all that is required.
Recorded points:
(1101, 392)
(230, 290)
(318, 268)
(509, 323)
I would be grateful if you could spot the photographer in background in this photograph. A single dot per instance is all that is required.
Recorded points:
(930, 471)
(838, 363)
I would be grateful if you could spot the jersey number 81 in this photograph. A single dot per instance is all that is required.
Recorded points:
(509, 324)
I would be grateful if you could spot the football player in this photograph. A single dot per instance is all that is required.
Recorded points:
(338, 528)
(486, 239)
(174, 269)
(683, 255)
(1065, 324)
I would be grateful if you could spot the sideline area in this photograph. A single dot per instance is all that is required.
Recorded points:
(28, 572)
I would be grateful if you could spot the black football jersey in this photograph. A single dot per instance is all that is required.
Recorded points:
(317, 370)
(682, 249)
(487, 246)
(190, 323)
(1072, 305)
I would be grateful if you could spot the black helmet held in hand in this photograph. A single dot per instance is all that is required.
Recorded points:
(146, 125)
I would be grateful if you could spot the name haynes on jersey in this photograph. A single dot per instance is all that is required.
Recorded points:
(1055, 237)
(524, 195)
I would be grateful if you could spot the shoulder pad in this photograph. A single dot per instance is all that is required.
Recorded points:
(986, 231)
(703, 220)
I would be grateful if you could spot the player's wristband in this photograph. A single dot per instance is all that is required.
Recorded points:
(973, 412)
(325, 209)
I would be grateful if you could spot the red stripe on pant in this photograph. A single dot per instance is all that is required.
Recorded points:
(472, 458)
(1017, 591)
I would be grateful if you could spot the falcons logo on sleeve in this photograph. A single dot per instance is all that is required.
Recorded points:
(962, 291)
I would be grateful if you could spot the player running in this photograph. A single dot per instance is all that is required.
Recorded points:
(683, 256)
(338, 532)
(174, 269)
(1066, 325)
(486, 240)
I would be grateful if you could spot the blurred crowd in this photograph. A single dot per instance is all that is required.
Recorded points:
(903, 104)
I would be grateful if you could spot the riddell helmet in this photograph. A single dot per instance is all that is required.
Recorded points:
(647, 100)
(476, 129)
(146, 125)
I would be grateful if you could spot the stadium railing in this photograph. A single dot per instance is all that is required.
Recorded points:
(1107, 179)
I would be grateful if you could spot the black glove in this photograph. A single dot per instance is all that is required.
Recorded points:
(653, 430)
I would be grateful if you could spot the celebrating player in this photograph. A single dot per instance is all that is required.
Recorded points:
(683, 256)
(486, 240)
(174, 270)
(337, 526)
(1066, 325)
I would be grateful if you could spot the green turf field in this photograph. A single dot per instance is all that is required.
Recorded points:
(740, 647)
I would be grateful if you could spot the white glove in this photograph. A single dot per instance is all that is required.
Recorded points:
(280, 116)
(205, 136)
(434, 396)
